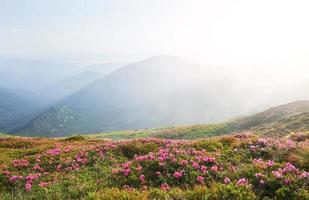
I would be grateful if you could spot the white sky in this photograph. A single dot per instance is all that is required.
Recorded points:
(210, 31)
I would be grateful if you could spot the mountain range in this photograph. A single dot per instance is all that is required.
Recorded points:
(15, 110)
(156, 92)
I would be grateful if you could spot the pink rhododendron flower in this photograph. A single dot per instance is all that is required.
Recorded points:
(270, 163)
(177, 175)
(195, 165)
(200, 179)
(53, 152)
(158, 173)
(289, 168)
(203, 169)
(287, 181)
(209, 159)
(6, 172)
(142, 178)
(126, 172)
(165, 187)
(38, 168)
(304, 175)
(20, 163)
(258, 175)
(184, 162)
(28, 186)
(43, 184)
(227, 180)
(242, 181)
(139, 168)
(13, 179)
(214, 168)
(277, 174)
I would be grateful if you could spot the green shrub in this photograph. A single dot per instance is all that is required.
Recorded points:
(230, 192)
(133, 148)
(75, 138)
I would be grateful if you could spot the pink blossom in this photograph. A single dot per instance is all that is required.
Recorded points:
(289, 167)
(126, 172)
(28, 186)
(139, 168)
(195, 165)
(277, 174)
(13, 178)
(214, 168)
(270, 163)
(304, 175)
(184, 162)
(227, 180)
(6, 172)
(209, 159)
(20, 163)
(252, 148)
(58, 168)
(200, 179)
(165, 187)
(258, 175)
(38, 168)
(53, 152)
(43, 184)
(158, 173)
(142, 178)
(287, 181)
(32, 177)
(203, 169)
(177, 174)
(262, 142)
(242, 181)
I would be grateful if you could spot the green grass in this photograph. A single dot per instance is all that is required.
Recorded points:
(177, 132)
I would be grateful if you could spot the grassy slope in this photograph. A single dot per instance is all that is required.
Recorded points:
(277, 121)
(177, 132)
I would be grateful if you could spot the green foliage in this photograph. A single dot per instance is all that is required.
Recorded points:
(133, 148)
(75, 138)
(230, 192)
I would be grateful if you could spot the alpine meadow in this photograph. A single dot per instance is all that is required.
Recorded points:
(154, 100)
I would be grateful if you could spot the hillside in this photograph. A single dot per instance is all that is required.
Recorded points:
(284, 126)
(281, 119)
(68, 86)
(155, 92)
(274, 122)
(14, 110)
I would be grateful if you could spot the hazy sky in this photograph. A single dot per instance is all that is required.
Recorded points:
(212, 31)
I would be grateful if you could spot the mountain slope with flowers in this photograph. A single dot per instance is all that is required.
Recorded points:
(238, 166)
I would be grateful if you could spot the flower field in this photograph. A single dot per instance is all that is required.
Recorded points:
(238, 166)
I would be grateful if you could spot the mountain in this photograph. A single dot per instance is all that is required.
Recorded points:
(32, 75)
(103, 68)
(159, 91)
(15, 110)
(155, 92)
(68, 86)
